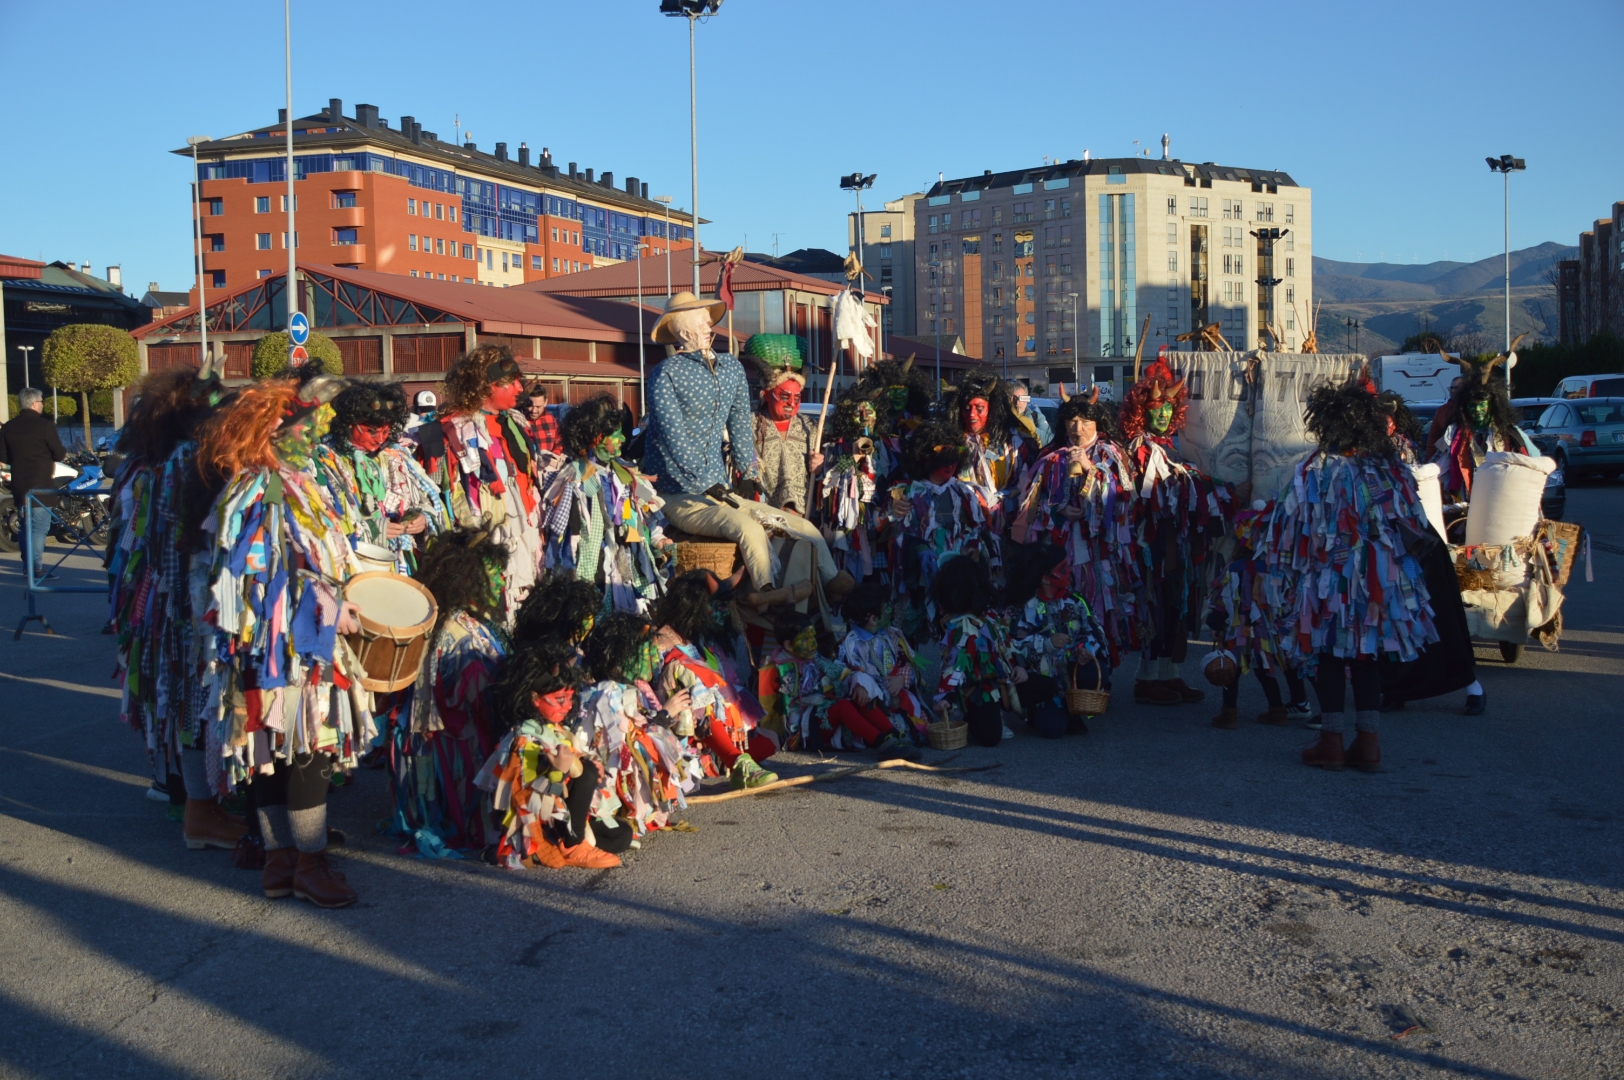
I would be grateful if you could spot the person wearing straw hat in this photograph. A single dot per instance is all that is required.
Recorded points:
(699, 400)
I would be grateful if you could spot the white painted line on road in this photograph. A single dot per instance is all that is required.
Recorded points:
(57, 684)
(88, 770)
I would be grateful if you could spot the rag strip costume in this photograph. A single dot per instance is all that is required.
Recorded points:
(976, 671)
(878, 659)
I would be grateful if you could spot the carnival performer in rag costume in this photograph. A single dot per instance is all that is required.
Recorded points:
(629, 729)
(882, 676)
(1478, 419)
(1178, 508)
(978, 674)
(398, 505)
(784, 438)
(1053, 637)
(287, 711)
(545, 782)
(160, 653)
(478, 454)
(560, 605)
(1000, 450)
(801, 689)
(716, 720)
(863, 458)
(600, 516)
(1346, 590)
(437, 744)
(699, 399)
(1081, 495)
(934, 517)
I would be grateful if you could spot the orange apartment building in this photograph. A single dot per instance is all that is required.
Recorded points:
(398, 200)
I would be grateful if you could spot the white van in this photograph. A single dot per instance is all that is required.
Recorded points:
(1416, 376)
(1582, 386)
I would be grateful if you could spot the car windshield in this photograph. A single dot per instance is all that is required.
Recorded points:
(1601, 412)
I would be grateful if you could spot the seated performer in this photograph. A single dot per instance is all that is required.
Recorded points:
(560, 605)
(935, 517)
(784, 450)
(1477, 419)
(601, 516)
(698, 398)
(397, 502)
(881, 674)
(977, 670)
(1053, 637)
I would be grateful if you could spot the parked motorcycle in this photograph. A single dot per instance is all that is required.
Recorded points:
(82, 508)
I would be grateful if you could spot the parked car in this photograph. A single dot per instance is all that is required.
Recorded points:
(1583, 386)
(1585, 435)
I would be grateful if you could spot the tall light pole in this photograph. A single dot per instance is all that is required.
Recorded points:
(25, 350)
(692, 10)
(857, 183)
(197, 245)
(935, 321)
(1270, 237)
(1076, 348)
(666, 199)
(293, 236)
(1506, 165)
(886, 314)
(642, 372)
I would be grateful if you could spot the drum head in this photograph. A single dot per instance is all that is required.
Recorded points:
(391, 600)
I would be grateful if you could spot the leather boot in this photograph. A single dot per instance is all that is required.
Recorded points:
(206, 825)
(1276, 716)
(1327, 753)
(838, 586)
(1227, 719)
(1365, 752)
(1155, 692)
(315, 880)
(549, 856)
(1188, 695)
(589, 857)
(276, 879)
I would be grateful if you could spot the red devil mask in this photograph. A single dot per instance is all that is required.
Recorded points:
(973, 417)
(783, 401)
(502, 396)
(369, 437)
(554, 707)
(1057, 582)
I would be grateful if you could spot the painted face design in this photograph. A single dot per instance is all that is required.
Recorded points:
(502, 396)
(1081, 431)
(495, 582)
(898, 396)
(973, 417)
(607, 448)
(369, 437)
(804, 645)
(784, 400)
(554, 707)
(866, 417)
(295, 442)
(646, 663)
(1056, 583)
(1478, 412)
(586, 628)
(1159, 417)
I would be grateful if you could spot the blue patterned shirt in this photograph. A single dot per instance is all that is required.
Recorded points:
(690, 404)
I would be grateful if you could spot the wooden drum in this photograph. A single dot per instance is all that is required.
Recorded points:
(396, 616)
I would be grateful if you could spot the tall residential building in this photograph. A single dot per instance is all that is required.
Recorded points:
(1590, 289)
(888, 256)
(399, 200)
(1003, 260)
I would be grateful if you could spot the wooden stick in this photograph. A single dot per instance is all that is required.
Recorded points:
(828, 392)
(837, 774)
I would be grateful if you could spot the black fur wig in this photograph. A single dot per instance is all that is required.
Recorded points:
(1404, 422)
(1025, 567)
(962, 587)
(367, 405)
(1103, 415)
(613, 645)
(691, 607)
(866, 601)
(874, 386)
(933, 445)
(588, 422)
(982, 382)
(1349, 419)
(454, 569)
(542, 668)
(558, 605)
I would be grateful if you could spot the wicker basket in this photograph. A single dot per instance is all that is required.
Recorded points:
(948, 734)
(1566, 540)
(713, 555)
(1087, 702)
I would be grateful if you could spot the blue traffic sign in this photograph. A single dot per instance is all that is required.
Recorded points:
(299, 328)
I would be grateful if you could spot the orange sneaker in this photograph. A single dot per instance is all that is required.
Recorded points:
(589, 857)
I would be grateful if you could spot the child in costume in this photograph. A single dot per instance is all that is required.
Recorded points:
(801, 689)
(478, 453)
(560, 605)
(1053, 637)
(882, 674)
(1081, 495)
(936, 516)
(281, 694)
(1343, 584)
(396, 501)
(977, 670)
(438, 742)
(547, 786)
(601, 517)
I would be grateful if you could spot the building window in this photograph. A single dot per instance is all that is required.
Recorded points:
(885, 231)
(1198, 206)
(1291, 242)
(411, 241)
(1023, 211)
(535, 262)
(265, 273)
(1232, 209)
(343, 200)
(972, 218)
(1291, 214)
(343, 236)
(1291, 267)
(1172, 262)
(216, 206)
(439, 247)
(997, 243)
(931, 223)
(1173, 205)
(1172, 234)
(411, 207)
(217, 279)
(489, 259)
(262, 241)
(555, 266)
(262, 204)
(451, 215)
(998, 215)
(1051, 207)
(217, 242)
(412, 272)
(295, 204)
(468, 251)
(285, 241)
(439, 211)
(1265, 211)
(1065, 208)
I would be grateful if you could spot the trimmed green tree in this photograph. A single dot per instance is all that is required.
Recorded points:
(85, 357)
(271, 354)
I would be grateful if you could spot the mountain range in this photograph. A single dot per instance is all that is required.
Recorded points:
(1458, 300)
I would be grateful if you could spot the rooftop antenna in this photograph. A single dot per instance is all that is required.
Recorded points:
(775, 244)
(456, 126)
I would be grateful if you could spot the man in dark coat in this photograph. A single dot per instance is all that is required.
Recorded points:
(30, 445)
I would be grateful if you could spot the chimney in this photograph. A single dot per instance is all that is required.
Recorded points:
(366, 115)
(589, 177)
(572, 170)
(631, 185)
(501, 151)
(335, 109)
(546, 157)
(644, 191)
(428, 135)
(469, 145)
(608, 180)
(1166, 145)
(524, 156)
(152, 286)
(281, 116)
(115, 277)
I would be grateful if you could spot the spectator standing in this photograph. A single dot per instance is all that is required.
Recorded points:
(541, 425)
(31, 446)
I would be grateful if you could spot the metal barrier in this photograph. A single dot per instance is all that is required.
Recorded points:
(38, 584)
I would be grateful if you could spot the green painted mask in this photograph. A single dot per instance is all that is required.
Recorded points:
(608, 447)
(1159, 417)
(295, 443)
(1477, 412)
(898, 396)
(646, 663)
(804, 645)
(494, 582)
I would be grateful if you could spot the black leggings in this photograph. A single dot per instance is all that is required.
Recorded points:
(297, 785)
(1331, 684)
(986, 723)
(613, 839)
(1271, 689)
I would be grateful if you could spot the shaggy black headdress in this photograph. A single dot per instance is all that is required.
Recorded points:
(933, 445)
(1103, 415)
(1025, 567)
(690, 607)
(367, 405)
(1349, 418)
(558, 605)
(613, 645)
(166, 411)
(983, 382)
(962, 587)
(1404, 422)
(587, 423)
(454, 570)
(866, 601)
(874, 386)
(542, 668)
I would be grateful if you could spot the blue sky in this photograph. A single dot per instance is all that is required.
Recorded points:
(1385, 109)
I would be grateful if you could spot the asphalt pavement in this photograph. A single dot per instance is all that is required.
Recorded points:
(1156, 899)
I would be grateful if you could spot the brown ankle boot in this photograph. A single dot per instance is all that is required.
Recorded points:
(1327, 753)
(276, 879)
(1365, 752)
(314, 879)
(1227, 719)
(1156, 692)
(1188, 695)
(206, 825)
(1276, 716)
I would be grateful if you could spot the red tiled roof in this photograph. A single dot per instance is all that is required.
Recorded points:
(15, 266)
(926, 351)
(620, 280)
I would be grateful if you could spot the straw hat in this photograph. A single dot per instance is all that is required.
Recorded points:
(684, 301)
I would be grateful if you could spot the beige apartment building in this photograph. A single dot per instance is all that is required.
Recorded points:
(1038, 270)
(888, 255)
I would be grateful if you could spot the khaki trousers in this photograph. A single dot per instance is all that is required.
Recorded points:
(704, 516)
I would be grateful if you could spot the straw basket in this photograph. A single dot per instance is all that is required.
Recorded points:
(1087, 702)
(948, 734)
(714, 555)
(1565, 540)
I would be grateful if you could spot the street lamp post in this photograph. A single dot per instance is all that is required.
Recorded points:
(857, 183)
(935, 320)
(197, 246)
(884, 315)
(25, 350)
(1506, 165)
(293, 236)
(1353, 328)
(642, 371)
(666, 199)
(1270, 237)
(692, 10)
(1076, 347)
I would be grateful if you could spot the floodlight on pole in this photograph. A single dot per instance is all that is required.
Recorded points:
(857, 183)
(1270, 237)
(666, 199)
(642, 371)
(1076, 347)
(194, 141)
(693, 11)
(1506, 165)
(290, 298)
(25, 350)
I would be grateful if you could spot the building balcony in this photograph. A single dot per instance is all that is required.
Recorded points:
(348, 253)
(348, 217)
